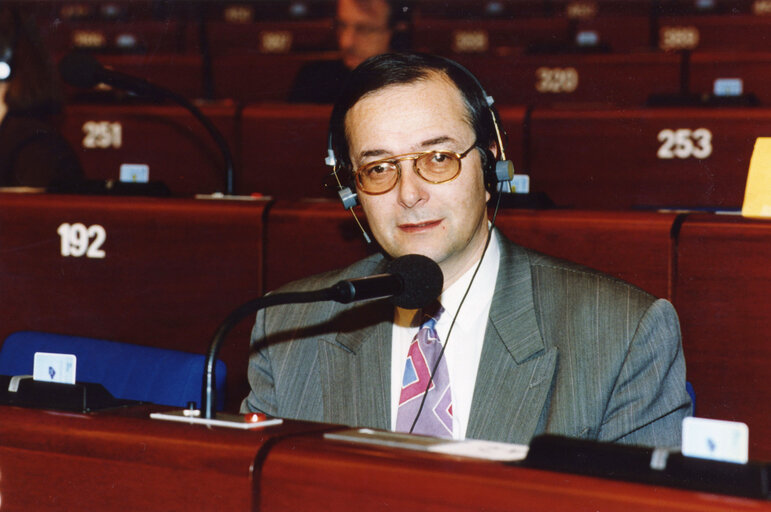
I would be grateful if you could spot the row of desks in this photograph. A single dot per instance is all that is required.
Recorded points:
(121, 460)
(167, 272)
(542, 79)
(616, 32)
(580, 158)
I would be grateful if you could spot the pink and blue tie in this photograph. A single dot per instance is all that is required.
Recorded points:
(436, 416)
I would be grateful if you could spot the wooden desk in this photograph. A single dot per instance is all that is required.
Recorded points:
(644, 158)
(305, 474)
(168, 139)
(590, 79)
(256, 77)
(721, 293)
(308, 237)
(474, 36)
(634, 246)
(749, 66)
(121, 460)
(182, 73)
(277, 36)
(282, 149)
(746, 32)
(143, 36)
(171, 271)
(621, 33)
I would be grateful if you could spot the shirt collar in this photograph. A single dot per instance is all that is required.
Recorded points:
(481, 291)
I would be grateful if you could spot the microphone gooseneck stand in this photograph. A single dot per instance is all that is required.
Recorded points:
(208, 398)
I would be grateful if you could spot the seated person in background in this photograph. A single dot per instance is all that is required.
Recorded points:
(32, 152)
(364, 28)
(533, 344)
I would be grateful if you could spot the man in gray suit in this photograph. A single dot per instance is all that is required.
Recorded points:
(532, 344)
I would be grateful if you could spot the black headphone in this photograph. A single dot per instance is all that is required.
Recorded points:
(496, 172)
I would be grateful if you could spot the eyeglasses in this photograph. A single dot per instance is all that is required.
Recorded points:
(435, 167)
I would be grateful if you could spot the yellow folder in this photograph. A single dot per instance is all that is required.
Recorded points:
(757, 195)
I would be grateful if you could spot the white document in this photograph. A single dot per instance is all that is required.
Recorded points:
(727, 441)
(50, 367)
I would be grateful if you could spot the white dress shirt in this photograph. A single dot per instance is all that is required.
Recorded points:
(465, 341)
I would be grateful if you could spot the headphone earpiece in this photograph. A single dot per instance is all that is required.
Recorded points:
(6, 52)
(6, 65)
(489, 163)
(348, 197)
(496, 171)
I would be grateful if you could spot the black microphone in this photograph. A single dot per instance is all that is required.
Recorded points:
(412, 281)
(83, 70)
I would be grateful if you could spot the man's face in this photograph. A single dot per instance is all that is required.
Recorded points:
(446, 222)
(362, 29)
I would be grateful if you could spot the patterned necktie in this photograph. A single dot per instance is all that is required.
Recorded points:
(436, 416)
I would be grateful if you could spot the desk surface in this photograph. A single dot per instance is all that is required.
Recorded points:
(121, 460)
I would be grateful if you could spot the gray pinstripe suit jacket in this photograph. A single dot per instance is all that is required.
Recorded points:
(567, 350)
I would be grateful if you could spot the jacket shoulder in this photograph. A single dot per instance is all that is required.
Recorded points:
(550, 267)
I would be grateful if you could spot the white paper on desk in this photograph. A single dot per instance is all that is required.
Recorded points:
(727, 441)
(478, 449)
(50, 367)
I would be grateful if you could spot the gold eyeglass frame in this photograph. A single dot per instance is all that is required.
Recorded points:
(395, 160)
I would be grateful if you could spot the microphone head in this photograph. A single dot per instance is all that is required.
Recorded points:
(422, 280)
(80, 70)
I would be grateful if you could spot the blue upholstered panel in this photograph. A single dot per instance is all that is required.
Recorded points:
(134, 372)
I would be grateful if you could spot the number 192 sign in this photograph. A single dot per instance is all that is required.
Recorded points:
(78, 240)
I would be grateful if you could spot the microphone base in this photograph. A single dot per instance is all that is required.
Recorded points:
(237, 421)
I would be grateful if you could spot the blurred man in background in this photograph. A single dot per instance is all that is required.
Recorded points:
(364, 28)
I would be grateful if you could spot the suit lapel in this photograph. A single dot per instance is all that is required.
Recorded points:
(515, 369)
(355, 367)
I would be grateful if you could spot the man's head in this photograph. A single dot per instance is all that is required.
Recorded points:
(364, 29)
(405, 104)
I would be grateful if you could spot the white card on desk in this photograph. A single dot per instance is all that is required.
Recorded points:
(727, 441)
(54, 367)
